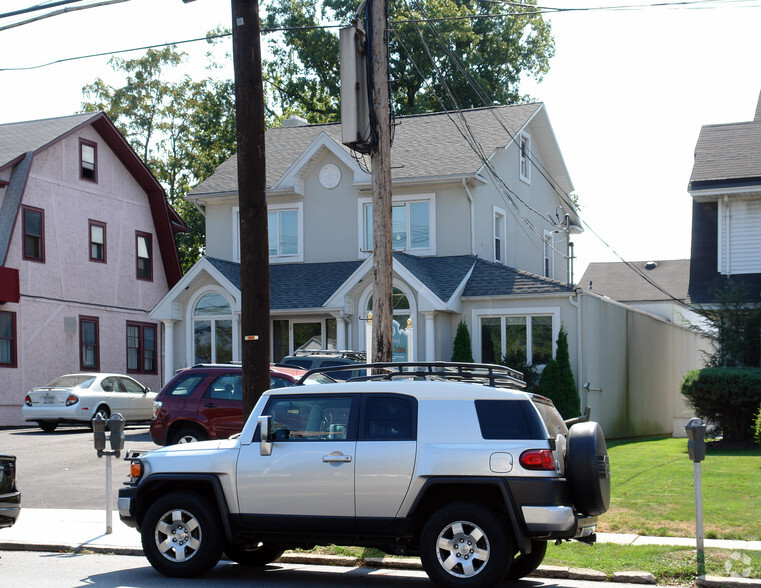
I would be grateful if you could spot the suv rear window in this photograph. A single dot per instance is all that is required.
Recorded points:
(509, 419)
(184, 385)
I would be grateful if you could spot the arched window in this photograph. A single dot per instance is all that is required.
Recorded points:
(212, 329)
(401, 311)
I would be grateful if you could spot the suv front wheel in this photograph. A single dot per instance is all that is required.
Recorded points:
(181, 535)
(466, 544)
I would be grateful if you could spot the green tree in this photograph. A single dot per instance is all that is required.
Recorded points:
(557, 382)
(733, 325)
(462, 350)
(480, 49)
(181, 129)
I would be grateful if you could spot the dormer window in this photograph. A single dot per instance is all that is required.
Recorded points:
(88, 160)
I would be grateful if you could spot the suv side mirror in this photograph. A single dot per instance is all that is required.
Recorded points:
(265, 445)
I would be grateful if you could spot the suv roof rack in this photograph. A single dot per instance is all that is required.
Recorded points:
(347, 353)
(498, 376)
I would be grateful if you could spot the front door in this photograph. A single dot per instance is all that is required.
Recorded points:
(308, 479)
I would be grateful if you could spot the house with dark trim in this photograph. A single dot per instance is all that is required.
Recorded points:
(86, 251)
(725, 186)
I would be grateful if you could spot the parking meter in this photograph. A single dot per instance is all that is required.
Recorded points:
(116, 426)
(696, 444)
(99, 433)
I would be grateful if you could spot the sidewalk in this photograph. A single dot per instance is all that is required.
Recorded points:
(40, 529)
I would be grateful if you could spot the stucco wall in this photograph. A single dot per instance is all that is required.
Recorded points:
(68, 284)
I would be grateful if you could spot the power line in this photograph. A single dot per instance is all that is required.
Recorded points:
(59, 12)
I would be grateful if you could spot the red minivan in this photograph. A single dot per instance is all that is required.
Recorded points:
(205, 402)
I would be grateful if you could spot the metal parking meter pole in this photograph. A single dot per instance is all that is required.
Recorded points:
(696, 449)
(116, 440)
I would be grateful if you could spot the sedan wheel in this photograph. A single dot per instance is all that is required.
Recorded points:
(181, 535)
(103, 412)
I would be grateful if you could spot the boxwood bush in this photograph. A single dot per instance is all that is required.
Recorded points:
(727, 396)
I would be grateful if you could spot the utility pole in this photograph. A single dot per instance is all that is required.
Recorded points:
(252, 200)
(380, 161)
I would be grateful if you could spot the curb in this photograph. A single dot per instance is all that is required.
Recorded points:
(407, 563)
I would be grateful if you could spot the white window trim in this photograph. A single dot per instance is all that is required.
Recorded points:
(548, 257)
(298, 207)
(430, 198)
(502, 314)
(498, 212)
(526, 177)
(189, 320)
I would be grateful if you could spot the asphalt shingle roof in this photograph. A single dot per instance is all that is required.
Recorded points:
(494, 279)
(424, 145)
(620, 282)
(728, 154)
(19, 137)
(309, 285)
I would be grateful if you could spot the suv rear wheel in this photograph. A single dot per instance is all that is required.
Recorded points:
(525, 563)
(181, 535)
(465, 544)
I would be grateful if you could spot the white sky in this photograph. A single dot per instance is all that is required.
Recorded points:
(626, 94)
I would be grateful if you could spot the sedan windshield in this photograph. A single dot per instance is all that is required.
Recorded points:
(81, 380)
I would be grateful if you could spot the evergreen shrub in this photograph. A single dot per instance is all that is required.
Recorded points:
(462, 351)
(726, 396)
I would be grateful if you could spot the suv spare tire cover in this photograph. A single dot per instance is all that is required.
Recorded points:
(587, 468)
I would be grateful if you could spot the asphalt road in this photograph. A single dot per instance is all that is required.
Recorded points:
(62, 470)
(64, 570)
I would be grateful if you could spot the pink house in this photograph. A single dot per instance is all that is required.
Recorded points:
(86, 251)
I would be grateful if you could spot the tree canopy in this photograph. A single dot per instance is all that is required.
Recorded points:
(442, 54)
(181, 129)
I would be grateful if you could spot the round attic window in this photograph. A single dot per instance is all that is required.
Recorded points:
(330, 175)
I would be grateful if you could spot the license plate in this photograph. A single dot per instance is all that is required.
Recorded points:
(48, 399)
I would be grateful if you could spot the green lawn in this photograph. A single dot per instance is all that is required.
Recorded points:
(652, 491)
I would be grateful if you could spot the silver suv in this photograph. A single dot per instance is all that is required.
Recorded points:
(475, 479)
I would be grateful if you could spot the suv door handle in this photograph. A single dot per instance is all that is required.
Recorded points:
(210, 405)
(341, 458)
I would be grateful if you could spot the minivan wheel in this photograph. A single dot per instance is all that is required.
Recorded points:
(189, 435)
(181, 535)
(465, 544)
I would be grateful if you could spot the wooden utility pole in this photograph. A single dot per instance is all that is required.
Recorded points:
(252, 200)
(380, 161)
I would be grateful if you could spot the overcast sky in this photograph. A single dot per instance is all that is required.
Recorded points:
(627, 93)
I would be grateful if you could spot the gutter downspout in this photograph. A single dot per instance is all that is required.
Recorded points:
(472, 217)
(575, 300)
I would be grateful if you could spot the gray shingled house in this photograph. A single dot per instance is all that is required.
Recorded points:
(86, 251)
(725, 186)
(480, 238)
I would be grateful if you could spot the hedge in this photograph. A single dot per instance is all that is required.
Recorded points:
(727, 396)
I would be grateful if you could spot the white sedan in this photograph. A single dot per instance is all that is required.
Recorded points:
(79, 397)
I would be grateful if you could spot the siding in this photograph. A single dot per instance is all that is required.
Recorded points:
(744, 222)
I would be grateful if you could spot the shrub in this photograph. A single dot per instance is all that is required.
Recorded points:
(517, 361)
(557, 383)
(757, 430)
(726, 396)
(462, 349)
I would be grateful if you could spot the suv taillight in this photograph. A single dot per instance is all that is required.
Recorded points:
(156, 409)
(538, 459)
